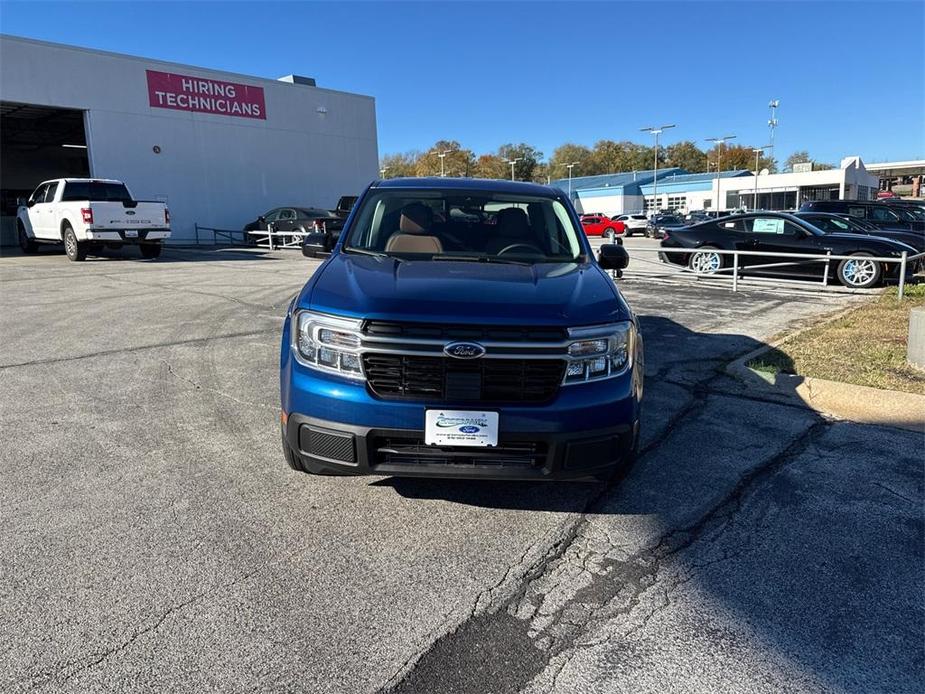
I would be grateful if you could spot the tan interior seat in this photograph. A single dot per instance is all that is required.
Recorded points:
(412, 235)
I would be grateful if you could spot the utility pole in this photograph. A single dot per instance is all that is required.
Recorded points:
(512, 162)
(570, 167)
(655, 131)
(719, 141)
(757, 151)
(383, 170)
(772, 123)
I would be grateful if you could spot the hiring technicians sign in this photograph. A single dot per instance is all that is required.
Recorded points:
(183, 93)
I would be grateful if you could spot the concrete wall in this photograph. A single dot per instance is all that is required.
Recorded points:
(216, 170)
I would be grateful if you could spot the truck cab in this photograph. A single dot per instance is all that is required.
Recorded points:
(462, 328)
(88, 214)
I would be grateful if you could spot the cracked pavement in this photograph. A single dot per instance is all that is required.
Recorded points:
(154, 539)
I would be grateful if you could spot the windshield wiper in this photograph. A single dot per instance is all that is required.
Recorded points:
(374, 254)
(480, 259)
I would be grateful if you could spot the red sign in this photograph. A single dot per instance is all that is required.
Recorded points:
(184, 93)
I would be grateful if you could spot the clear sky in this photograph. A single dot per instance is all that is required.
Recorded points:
(848, 74)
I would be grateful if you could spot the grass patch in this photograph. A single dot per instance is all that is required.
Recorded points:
(866, 347)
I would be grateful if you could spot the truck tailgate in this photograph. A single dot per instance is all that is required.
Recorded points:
(115, 215)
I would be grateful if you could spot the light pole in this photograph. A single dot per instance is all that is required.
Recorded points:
(719, 142)
(442, 155)
(655, 131)
(570, 167)
(383, 170)
(772, 122)
(512, 162)
(757, 151)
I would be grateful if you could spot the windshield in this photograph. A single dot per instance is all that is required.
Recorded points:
(462, 225)
(910, 213)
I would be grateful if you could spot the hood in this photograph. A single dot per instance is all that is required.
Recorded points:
(562, 294)
(888, 245)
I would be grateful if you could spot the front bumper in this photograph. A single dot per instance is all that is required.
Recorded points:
(337, 425)
(333, 447)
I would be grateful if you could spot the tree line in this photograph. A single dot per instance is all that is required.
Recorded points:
(450, 158)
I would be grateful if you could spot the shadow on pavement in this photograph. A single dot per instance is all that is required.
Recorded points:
(764, 543)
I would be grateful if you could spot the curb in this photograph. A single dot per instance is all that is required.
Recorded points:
(839, 400)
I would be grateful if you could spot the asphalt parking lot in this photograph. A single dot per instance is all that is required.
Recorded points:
(153, 539)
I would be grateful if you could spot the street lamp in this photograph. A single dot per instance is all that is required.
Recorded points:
(512, 162)
(570, 167)
(719, 142)
(655, 131)
(383, 170)
(772, 122)
(758, 151)
(442, 156)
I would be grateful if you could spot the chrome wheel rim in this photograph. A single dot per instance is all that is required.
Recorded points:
(70, 245)
(857, 272)
(705, 263)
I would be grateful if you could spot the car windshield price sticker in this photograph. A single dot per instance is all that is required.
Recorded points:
(460, 428)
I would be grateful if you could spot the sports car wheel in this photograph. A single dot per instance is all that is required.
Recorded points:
(705, 262)
(859, 272)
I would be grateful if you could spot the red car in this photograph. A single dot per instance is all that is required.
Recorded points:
(601, 225)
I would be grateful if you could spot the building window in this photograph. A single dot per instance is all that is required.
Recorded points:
(677, 202)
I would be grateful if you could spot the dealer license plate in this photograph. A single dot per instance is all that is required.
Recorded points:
(460, 428)
(131, 233)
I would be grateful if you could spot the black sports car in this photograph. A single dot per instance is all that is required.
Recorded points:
(779, 232)
(848, 225)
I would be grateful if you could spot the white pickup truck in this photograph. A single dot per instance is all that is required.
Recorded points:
(86, 214)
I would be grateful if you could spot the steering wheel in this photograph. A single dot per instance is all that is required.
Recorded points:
(528, 246)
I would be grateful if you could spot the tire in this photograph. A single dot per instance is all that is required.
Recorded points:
(26, 244)
(703, 262)
(150, 250)
(76, 250)
(862, 273)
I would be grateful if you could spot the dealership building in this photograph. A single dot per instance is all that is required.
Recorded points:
(219, 148)
(677, 190)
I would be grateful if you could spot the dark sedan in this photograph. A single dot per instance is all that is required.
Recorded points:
(300, 220)
(778, 232)
(661, 224)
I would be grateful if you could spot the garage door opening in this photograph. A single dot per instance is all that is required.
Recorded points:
(37, 143)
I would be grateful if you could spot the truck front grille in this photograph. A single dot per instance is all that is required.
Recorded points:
(398, 376)
(377, 328)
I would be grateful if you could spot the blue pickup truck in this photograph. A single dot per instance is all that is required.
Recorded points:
(462, 328)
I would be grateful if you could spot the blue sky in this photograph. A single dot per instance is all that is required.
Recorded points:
(848, 74)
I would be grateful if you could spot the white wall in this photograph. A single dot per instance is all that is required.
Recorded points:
(216, 170)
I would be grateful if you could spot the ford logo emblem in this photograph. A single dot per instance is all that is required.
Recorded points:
(464, 350)
(469, 429)
(130, 213)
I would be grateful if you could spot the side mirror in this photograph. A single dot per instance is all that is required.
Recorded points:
(314, 242)
(613, 257)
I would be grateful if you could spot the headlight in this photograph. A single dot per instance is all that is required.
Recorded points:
(327, 343)
(607, 351)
